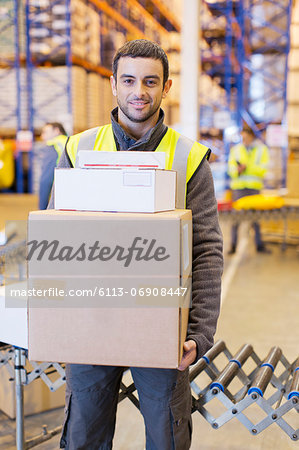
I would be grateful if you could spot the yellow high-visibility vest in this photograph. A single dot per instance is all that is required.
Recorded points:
(256, 160)
(59, 144)
(181, 154)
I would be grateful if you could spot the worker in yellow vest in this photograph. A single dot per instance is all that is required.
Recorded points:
(247, 166)
(54, 136)
(140, 82)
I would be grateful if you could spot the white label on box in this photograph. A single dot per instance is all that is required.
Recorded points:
(186, 246)
(137, 179)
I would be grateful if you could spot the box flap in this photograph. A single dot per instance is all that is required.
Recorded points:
(90, 159)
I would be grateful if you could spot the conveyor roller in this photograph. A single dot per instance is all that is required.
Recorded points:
(264, 374)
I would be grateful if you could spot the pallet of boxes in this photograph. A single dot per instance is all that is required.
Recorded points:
(112, 264)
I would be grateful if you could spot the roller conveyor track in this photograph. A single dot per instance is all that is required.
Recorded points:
(256, 385)
(237, 216)
(275, 394)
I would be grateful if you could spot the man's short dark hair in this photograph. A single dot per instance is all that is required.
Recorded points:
(59, 126)
(142, 48)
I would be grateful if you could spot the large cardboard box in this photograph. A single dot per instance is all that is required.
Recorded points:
(139, 279)
(292, 179)
(125, 190)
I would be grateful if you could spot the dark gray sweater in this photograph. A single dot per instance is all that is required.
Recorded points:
(207, 237)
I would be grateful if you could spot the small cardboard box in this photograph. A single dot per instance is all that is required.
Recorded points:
(134, 255)
(122, 190)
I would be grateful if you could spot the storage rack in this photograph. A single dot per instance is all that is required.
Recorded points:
(221, 54)
(267, 28)
(10, 64)
(249, 31)
(131, 19)
(227, 60)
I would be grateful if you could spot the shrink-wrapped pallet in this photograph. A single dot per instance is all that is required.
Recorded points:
(95, 104)
(9, 108)
(54, 107)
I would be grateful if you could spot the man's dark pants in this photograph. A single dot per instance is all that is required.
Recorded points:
(91, 403)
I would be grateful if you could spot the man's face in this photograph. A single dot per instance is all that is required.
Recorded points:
(48, 133)
(247, 138)
(139, 88)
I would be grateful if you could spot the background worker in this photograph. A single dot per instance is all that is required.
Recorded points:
(247, 166)
(54, 136)
(140, 82)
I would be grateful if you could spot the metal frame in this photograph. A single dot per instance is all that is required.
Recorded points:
(35, 108)
(286, 385)
(227, 67)
(236, 70)
(14, 360)
(14, 64)
(269, 37)
(34, 63)
(253, 388)
(254, 215)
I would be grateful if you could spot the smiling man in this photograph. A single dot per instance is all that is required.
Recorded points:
(140, 82)
(139, 86)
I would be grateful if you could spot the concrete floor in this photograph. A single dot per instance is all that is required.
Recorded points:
(260, 306)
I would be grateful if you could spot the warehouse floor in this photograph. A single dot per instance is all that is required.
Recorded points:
(259, 306)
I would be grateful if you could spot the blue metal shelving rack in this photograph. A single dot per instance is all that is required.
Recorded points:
(118, 11)
(34, 11)
(9, 36)
(253, 65)
(36, 60)
(221, 61)
(267, 28)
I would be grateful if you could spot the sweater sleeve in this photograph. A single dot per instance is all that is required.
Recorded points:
(47, 176)
(207, 259)
(64, 163)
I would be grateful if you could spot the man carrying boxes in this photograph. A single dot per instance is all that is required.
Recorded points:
(140, 82)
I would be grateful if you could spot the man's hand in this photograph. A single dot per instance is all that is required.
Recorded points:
(189, 355)
(241, 168)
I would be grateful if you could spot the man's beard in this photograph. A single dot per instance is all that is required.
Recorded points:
(125, 111)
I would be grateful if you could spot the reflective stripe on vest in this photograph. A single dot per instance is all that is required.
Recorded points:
(181, 154)
(58, 143)
(180, 161)
(259, 154)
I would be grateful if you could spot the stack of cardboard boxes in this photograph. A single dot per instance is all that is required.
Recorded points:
(95, 104)
(120, 281)
(93, 36)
